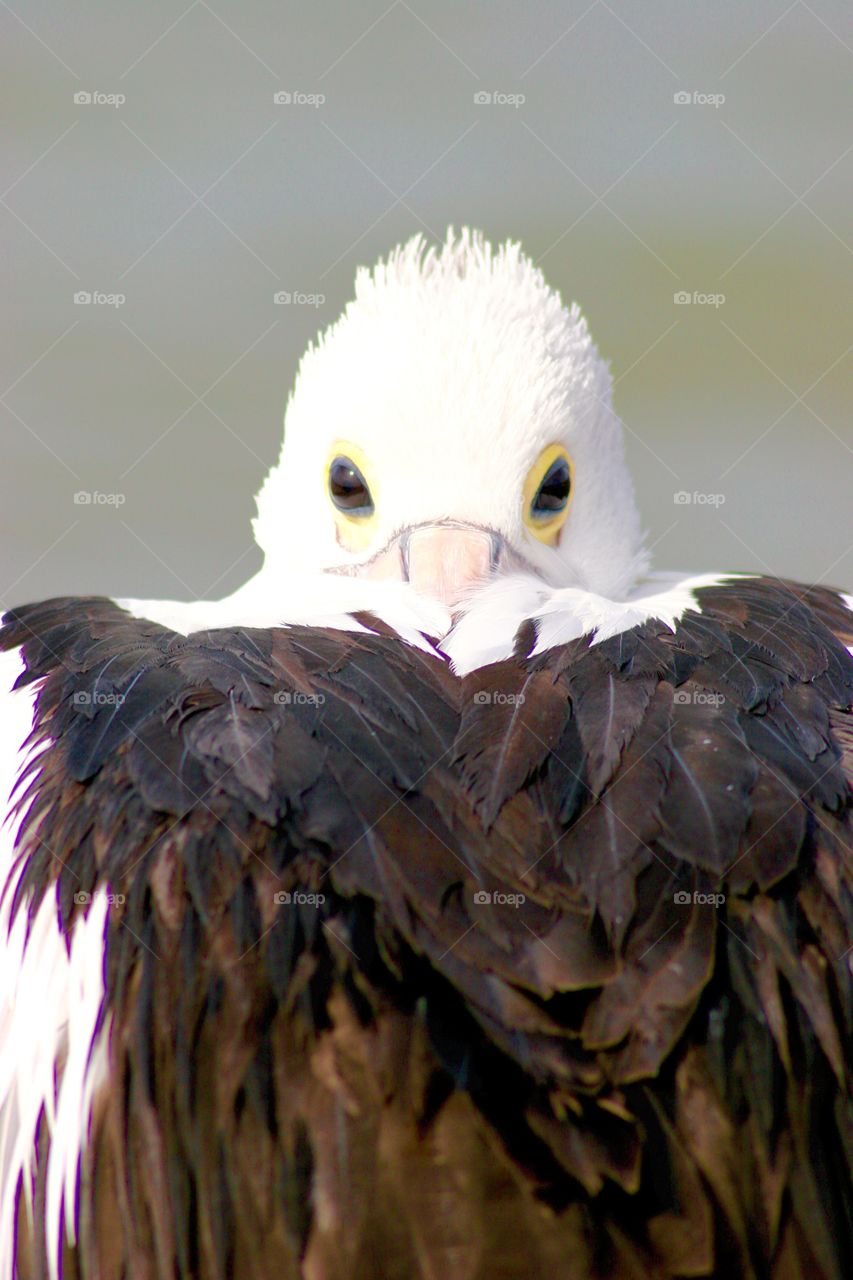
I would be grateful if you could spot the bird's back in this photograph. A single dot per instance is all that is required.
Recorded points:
(355, 968)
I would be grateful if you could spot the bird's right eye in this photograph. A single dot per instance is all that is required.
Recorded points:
(348, 488)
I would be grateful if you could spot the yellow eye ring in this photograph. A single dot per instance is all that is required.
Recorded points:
(352, 497)
(547, 493)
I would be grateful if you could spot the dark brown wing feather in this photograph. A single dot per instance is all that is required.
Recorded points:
(575, 1000)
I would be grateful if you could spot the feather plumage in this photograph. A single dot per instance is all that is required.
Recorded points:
(564, 975)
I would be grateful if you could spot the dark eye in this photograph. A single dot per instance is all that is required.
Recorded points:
(348, 488)
(553, 493)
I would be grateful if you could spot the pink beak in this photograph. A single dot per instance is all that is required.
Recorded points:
(445, 561)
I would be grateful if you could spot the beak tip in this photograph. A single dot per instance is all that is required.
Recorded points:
(443, 561)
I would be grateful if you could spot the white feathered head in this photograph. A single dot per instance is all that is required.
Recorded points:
(455, 422)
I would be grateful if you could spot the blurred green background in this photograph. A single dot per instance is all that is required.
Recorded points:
(198, 197)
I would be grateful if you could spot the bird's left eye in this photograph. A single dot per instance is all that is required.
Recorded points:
(553, 493)
(548, 493)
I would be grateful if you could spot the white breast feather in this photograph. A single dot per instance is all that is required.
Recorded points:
(49, 1006)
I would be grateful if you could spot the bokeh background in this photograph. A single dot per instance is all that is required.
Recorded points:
(185, 189)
